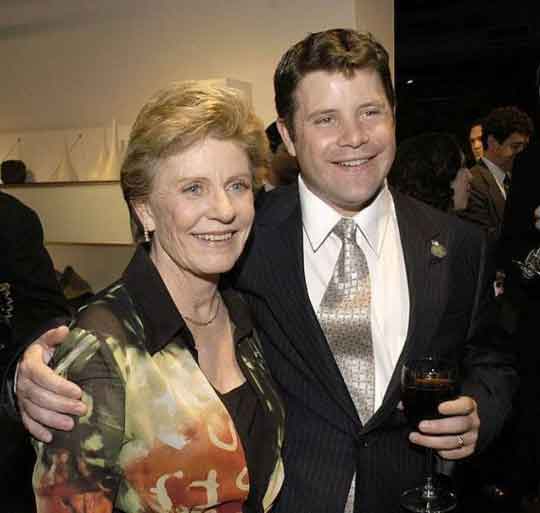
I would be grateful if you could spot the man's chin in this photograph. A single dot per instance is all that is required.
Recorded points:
(355, 204)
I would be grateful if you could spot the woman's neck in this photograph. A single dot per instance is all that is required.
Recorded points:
(194, 296)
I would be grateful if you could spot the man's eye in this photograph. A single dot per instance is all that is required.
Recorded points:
(326, 120)
(371, 113)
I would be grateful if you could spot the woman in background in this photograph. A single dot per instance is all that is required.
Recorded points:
(431, 168)
(182, 414)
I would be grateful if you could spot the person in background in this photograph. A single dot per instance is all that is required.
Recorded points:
(505, 134)
(181, 412)
(30, 293)
(283, 168)
(431, 168)
(424, 289)
(30, 297)
(475, 141)
(519, 244)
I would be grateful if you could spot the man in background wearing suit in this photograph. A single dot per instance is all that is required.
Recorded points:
(505, 134)
(29, 297)
(519, 241)
(476, 147)
(425, 290)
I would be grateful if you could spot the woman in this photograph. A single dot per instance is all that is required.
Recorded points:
(431, 168)
(182, 413)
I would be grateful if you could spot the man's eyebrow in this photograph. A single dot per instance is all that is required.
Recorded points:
(321, 112)
(326, 111)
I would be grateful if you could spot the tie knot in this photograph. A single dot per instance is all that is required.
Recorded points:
(345, 229)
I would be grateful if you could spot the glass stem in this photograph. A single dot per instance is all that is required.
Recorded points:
(429, 489)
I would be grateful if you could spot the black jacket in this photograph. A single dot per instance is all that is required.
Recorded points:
(519, 235)
(29, 291)
(486, 202)
(451, 309)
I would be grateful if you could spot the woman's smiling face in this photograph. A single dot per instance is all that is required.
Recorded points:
(200, 208)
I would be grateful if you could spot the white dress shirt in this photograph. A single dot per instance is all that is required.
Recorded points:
(497, 173)
(378, 237)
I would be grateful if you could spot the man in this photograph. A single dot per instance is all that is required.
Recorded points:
(348, 446)
(30, 293)
(475, 141)
(505, 133)
(520, 239)
(29, 296)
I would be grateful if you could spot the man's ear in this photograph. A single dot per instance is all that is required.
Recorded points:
(144, 213)
(286, 136)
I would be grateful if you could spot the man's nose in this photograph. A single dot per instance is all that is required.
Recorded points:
(353, 134)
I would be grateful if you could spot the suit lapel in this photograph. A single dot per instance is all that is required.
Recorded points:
(494, 192)
(421, 241)
(288, 298)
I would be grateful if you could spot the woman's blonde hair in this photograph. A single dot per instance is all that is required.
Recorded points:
(179, 116)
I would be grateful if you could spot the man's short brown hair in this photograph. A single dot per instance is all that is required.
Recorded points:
(502, 122)
(337, 50)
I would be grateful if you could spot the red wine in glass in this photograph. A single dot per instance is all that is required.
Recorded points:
(426, 383)
(422, 395)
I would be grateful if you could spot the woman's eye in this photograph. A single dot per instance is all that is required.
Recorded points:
(240, 186)
(193, 188)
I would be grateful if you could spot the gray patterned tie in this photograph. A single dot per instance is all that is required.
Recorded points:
(344, 316)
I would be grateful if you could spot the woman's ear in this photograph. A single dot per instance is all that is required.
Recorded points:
(144, 213)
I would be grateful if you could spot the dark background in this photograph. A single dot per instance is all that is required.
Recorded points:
(465, 57)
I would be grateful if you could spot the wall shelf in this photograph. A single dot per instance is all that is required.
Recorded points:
(78, 212)
(55, 184)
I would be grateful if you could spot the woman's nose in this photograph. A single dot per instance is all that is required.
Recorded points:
(222, 207)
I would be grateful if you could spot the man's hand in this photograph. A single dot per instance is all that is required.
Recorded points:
(453, 437)
(42, 395)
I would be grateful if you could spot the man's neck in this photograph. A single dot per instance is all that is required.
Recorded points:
(494, 160)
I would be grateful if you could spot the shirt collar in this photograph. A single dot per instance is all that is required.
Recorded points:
(319, 218)
(161, 319)
(495, 170)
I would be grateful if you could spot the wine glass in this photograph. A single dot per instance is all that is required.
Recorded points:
(425, 383)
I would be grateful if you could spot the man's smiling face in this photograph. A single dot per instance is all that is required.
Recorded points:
(344, 137)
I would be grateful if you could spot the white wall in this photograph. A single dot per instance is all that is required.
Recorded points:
(79, 213)
(71, 64)
(98, 265)
(82, 63)
(85, 226)
(377, 17)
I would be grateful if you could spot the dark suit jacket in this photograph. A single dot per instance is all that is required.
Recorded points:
(30, 294)
(486, 202)
(519, 235)
(449, 307)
